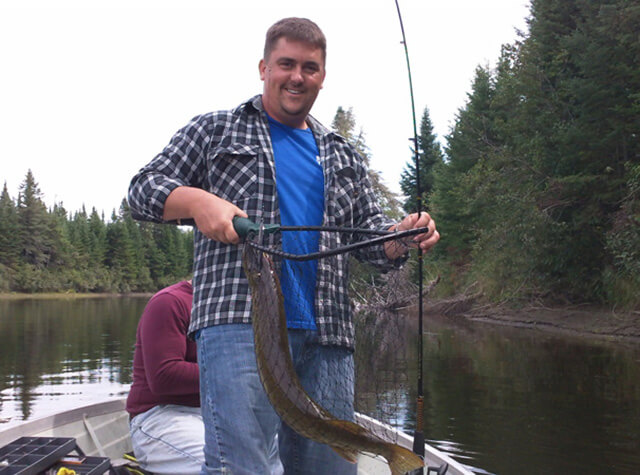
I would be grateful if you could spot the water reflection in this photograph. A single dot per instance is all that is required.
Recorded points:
(507, 400)
(382, 359)
(522, 399)
(511, 400)
(64, 352)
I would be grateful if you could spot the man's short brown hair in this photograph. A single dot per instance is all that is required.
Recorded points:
(298, 29)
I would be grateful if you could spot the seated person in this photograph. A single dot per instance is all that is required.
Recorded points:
(166, 426)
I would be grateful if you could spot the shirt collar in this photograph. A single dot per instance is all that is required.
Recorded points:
(316, 127)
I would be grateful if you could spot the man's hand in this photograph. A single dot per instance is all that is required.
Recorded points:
(213, 215)
(425, 241)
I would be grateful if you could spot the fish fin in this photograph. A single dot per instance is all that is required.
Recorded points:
(402, 460)
(351, 455)
(347, 454)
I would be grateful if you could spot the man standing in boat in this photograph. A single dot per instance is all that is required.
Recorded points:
(267, 159)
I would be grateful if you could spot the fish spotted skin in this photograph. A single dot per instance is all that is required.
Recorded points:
(294, 406)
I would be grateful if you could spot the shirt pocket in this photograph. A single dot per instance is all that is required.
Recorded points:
(233, 172)
(346, 192)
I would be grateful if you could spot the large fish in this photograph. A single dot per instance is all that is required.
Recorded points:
(289, 399)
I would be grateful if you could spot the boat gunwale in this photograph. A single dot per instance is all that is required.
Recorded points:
(53, 421)
(60, 419)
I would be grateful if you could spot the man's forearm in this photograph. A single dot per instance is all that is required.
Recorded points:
(181, 202)
(212, 215)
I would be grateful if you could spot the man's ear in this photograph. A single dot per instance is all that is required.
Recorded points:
(262, 67)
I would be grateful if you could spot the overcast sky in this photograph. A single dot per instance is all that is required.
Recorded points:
(91, 90)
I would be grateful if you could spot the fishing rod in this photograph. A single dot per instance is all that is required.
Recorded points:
(418, 436)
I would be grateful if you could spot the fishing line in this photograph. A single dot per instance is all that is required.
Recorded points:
(418, 436)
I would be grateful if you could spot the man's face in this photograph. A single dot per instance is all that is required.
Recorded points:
(293, 75)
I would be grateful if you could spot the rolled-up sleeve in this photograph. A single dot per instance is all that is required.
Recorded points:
(181, 163)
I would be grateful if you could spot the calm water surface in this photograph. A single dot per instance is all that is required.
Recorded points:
(501, 400)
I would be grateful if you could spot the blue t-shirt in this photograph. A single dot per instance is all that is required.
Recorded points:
(300, 187)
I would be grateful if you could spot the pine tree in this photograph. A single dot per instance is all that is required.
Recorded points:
(121, 254)
(9, 247)
(140, 278)
(34, 224)
(579, 75)
(97, 239)
(79, 236)
(534, 198)
(344, 123)
(62, 256)
(429, 156)
(471, 140)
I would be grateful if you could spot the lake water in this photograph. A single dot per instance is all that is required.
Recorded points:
(501, 400)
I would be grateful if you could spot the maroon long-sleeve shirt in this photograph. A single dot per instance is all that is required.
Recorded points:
(165, 368)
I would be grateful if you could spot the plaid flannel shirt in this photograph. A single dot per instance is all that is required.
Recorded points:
(229, 154)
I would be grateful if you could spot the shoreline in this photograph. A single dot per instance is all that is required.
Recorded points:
(69, 295)
(587, 321)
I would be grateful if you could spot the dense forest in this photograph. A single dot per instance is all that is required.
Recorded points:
(536, 189)
(51, 250)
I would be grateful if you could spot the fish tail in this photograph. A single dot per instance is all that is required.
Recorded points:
(402, 460)
(349, 455)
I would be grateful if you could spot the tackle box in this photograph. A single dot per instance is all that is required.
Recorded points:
(35, 455)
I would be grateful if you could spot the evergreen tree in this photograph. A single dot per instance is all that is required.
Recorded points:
(535, 191)
(430, 157)
(120, 257)
(9, 247)
(344, 123)
(34, 224)
(83, 253)
(455, 193)
(97, 239)
(78, 230)
(62, 255)
(138, 276)
(579, 75)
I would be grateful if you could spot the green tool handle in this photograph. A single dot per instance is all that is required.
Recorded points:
(244, 227)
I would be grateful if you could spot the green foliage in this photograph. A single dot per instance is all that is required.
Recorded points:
(456, 200)
(622, 276)
(9, 245)
(538, 196)
(429, 158)
(51, 251)
(344, 123)
(34, 225)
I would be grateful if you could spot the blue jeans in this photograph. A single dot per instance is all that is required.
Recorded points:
(327, 375)
(241, 425)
